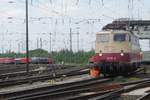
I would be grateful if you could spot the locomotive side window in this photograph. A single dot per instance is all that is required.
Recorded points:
(119, 37)
(102, 38)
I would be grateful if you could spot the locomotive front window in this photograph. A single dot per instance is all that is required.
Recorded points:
(119, 37)
(102, 38)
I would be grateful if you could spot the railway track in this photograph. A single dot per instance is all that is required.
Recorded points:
(52, 90)
(114, 94)
(48, 70)
(87, 89)
(31, 79)
(11, 68)
(144, 97)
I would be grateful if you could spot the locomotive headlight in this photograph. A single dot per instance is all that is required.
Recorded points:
(100, 53)
(122, 53)
(141, 53)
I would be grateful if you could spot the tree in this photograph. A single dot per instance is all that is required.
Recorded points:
(38, 53)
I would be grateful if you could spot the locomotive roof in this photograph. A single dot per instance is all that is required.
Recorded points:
(113, 31)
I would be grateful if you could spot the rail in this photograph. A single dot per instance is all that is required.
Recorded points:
(49, 90)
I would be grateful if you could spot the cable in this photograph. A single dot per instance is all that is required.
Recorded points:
(42, 8)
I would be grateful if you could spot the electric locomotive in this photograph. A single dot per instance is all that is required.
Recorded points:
(117, 52)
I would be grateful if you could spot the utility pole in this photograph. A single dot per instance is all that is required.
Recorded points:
(18, 47)
(22, 45)
(50, 42)
(27, 39)
(40, 43)
(78, 41)
(70, 39)
(2, 49)
(149, 44)
(70, 45)
(10, 46)
(71, 33)
(37, 43)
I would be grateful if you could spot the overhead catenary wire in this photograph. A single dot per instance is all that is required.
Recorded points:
(47, 10)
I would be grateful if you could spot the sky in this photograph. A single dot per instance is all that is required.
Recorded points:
(53, 20)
